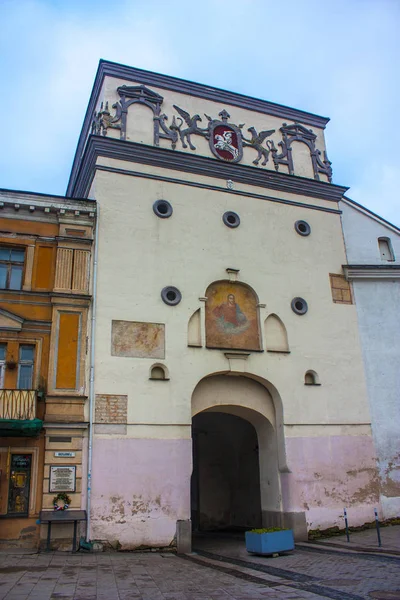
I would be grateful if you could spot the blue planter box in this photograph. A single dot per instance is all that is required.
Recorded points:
(269, 543)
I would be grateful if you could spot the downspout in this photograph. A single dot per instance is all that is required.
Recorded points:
(91, 379)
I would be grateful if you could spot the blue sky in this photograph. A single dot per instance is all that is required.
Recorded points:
(338, 59)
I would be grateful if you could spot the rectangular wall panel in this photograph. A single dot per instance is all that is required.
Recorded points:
(45, 255)
(67, 350)
(81, 271)
(64, 269)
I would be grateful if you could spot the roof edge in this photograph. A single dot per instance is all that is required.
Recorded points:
(203, 90)
(141, 76)
(362, 208)
(43, 196)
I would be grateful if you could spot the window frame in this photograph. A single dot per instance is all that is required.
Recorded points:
(386, 241)
(10, 264)
(26, 362)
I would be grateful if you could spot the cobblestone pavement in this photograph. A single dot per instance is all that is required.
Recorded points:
(305, 574)
(327, 571)
(390, 539)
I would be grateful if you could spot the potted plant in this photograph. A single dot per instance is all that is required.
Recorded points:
(269, 541)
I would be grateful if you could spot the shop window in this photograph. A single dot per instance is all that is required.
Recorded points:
(25, 366)
(19, 486)
(385, 249)
(11, 268)
(3, 350)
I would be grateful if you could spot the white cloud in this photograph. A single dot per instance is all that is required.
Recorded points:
(341, 63)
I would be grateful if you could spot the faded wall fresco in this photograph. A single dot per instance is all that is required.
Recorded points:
(232, 317)
(138, 340)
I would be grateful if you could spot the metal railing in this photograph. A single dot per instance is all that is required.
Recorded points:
(18, 404)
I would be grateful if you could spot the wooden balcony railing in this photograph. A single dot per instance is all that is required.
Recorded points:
(18, 404)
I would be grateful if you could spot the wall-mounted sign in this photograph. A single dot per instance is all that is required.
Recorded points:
(62, 479)
(64, 454)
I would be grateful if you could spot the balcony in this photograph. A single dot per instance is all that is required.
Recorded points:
(18, 413)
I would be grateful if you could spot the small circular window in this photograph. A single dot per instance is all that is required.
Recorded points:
(162, 208)
(302, 228)
(299, 306)
(171, 295)
(231, 219)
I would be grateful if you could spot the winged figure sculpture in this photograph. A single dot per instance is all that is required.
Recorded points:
(256, 143)
(192, 127)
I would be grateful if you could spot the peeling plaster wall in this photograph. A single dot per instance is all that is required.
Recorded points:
(334, 472)
(140, 488)
(377, 302)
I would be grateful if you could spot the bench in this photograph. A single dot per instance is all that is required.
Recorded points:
(62, 516)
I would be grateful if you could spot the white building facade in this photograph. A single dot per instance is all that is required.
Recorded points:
(229, 378)
(373, 255)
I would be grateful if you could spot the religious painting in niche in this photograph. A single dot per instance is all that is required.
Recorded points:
(139, 340)
(232, 317)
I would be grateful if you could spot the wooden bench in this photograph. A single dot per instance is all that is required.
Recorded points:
(62, 516)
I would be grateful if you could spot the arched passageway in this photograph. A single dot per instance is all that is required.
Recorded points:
(225, 492)
(236, 479)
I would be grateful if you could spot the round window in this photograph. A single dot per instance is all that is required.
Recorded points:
(231, 219)
(302, 228)
(299, 306)
(162, 208)
(171, 295)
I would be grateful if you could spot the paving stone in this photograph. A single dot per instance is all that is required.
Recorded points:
(302, 575)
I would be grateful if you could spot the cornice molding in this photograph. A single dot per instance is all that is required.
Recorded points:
(215, 188)
(200, 90)
(352, 272)
(200, 165)
(111, 69)
(59, 205)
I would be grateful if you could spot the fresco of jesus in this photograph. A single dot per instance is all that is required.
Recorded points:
(229, 316)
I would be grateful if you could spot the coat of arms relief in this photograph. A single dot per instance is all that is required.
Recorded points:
(226, 140)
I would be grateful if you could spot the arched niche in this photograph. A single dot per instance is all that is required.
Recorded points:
(311, 378)
(276, 337)
(159, 372)
(194, 330)
(232, 317)
(140, 124)
(302, 161)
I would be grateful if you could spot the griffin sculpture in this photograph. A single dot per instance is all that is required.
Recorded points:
(188, 131)
(256, 143)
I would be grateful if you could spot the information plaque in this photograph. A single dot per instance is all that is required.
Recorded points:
(62, 478)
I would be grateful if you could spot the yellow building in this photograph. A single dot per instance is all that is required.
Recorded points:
(45, 256)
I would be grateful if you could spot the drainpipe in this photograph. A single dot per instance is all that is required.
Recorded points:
(91, 380)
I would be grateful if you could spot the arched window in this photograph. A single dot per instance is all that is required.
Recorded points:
(385, 249)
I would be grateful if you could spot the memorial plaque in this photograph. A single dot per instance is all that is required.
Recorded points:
(62, 478)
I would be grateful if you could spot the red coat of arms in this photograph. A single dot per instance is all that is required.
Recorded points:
(225, 139)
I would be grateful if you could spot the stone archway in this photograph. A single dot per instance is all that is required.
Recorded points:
(235, 454)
